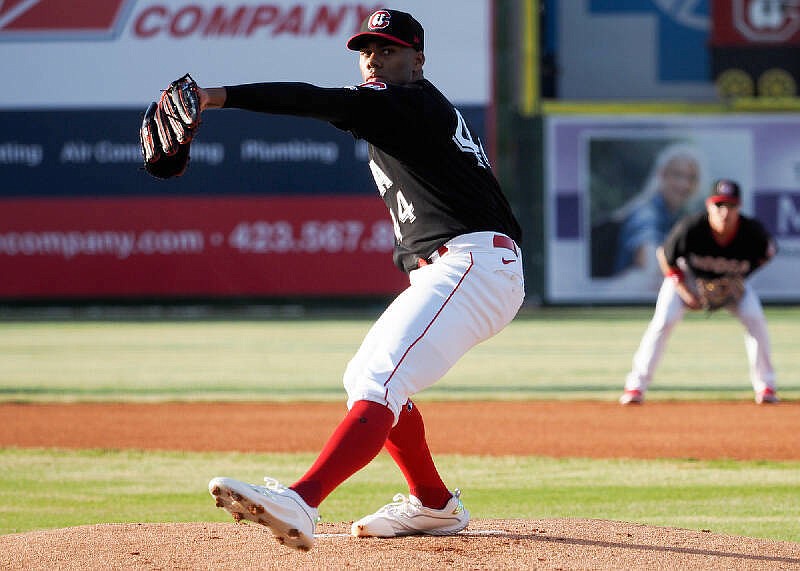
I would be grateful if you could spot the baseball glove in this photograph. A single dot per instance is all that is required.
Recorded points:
(168, 127)
(719, 292)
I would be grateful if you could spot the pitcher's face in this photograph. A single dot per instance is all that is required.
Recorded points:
(389, 63)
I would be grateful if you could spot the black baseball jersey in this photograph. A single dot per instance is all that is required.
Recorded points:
(430, 168)
(692, 239)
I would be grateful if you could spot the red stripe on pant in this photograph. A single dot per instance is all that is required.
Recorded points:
(417, 340)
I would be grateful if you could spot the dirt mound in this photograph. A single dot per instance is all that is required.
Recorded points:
(486, 544)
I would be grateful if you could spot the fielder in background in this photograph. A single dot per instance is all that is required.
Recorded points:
(457, 239)
(706, 259)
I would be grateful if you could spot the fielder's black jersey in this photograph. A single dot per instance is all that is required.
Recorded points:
(692, 239)
(430, 168)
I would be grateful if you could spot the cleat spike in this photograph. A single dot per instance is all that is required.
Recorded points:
(287, 515)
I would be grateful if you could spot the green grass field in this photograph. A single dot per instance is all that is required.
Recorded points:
(545, 354)
(59, 488)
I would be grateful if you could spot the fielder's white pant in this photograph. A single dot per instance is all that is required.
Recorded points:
(670, 309)
(464, 297)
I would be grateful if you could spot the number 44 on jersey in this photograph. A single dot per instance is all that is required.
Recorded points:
(465, 142)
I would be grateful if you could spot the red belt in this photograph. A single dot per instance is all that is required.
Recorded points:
(498, 241)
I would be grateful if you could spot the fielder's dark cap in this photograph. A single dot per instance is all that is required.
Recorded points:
(392, 25)
(725, 190)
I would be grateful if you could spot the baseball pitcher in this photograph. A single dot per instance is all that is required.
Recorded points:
(455, 237)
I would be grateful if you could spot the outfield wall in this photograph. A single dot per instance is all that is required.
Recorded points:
(281, 206)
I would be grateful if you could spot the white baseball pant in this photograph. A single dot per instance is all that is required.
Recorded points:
(670, 309)
(460, 299)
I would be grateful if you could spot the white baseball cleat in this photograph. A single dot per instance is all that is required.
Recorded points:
(767, 396)
(631, 396)
(290, 519)
(407, 516)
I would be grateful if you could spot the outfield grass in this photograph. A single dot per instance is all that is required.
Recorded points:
(55, 488)
(543, 354)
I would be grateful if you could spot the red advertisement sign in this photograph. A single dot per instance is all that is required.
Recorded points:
(101, 18)
(196, 247)
(246, 20)
(746, 22)
(37, 18)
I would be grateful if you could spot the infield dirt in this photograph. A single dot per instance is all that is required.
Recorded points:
(699, 430)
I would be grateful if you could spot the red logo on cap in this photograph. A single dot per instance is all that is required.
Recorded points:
(379, 20)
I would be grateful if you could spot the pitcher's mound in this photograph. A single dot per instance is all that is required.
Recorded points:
(485, 544)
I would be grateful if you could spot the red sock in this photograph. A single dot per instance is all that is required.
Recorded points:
(408, 448)
(354, 443)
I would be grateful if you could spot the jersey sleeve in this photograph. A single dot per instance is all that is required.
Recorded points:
(762, 236)
(369, 111)
(765, 246)
(675, 243)
(301, 99)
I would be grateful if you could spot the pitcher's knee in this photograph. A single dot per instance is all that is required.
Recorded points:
(364, 388)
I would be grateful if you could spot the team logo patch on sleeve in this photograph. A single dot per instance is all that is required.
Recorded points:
(377, 85)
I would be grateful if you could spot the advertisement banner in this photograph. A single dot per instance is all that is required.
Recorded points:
(119, 53)
(196, 247)
(615, 185)
(269, 206)
(97, 153)
(747, 22)
(755, 48)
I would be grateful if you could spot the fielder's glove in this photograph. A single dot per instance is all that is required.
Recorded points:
(720, 292)
(168, 128)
